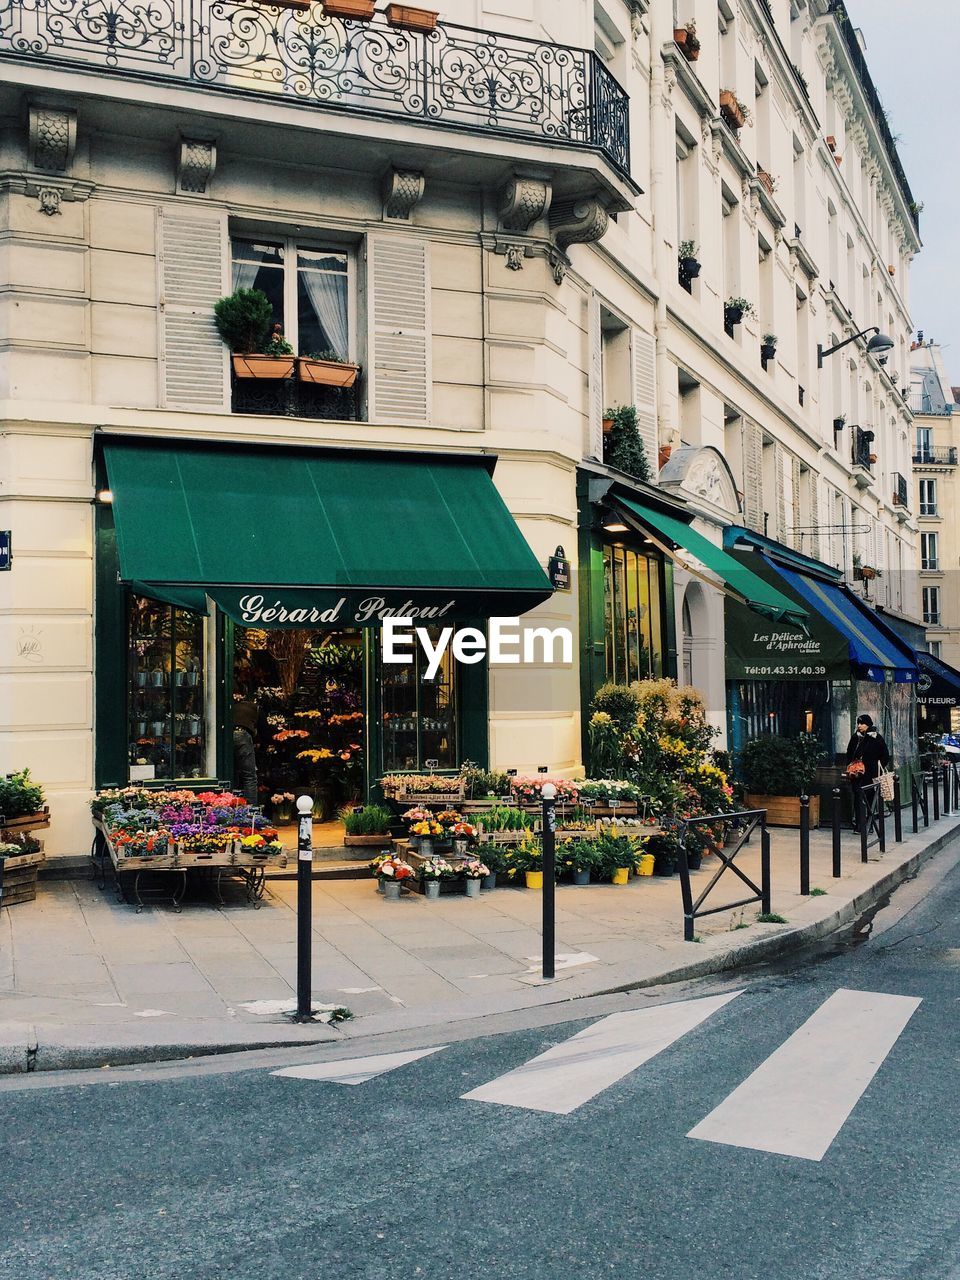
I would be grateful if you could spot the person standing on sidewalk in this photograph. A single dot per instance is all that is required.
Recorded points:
(867, 754)
(245, 725)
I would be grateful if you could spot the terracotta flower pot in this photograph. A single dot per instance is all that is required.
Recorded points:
(411, 18)
(688, 42)
(358, 10)
(608, 425)
(327, 373)
(730, 110)
(254, 366)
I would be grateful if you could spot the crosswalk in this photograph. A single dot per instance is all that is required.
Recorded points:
(793, 1104)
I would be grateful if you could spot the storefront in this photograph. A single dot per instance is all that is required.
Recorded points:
(230, 575)
(938, 696)
(815, 678)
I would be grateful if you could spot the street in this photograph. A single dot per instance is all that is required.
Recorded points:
(226, 1169)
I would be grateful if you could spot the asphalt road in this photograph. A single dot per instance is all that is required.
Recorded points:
(226, 1170)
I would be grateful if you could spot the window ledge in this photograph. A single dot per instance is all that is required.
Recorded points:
(688, 81)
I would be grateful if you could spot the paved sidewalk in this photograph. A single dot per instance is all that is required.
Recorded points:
(85, 981)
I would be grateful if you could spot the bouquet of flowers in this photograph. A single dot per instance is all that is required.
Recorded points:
(417, 815)
(856, 769)
(448, 818)
(474, 869)
(529, 790)
(140, 844)
(463, 830)
(391, 868)
(427, 828)
(435, 869)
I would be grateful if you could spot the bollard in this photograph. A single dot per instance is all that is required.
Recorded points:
(915, 804)
(835, 830)
(548, 794)
(804, 845)
(686, 893)
(936, 797)
(764, 868)
(881, 823)
(926, 801)
(304, 906)
(946, 790)
(861, 811)
(897, 815)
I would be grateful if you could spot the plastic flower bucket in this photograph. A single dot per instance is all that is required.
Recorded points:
(620, 875)
(534, 879)
(646, 865)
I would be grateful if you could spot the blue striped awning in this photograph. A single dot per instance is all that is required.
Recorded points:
(876, 652)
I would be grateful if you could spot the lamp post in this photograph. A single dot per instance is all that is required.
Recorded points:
(877, 344)
(304, 906)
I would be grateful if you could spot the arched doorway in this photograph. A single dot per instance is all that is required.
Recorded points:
(695, 635)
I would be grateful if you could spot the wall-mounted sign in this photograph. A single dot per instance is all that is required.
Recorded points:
(6, 549)
(558, 570)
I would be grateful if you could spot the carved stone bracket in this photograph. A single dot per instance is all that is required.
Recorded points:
(49, 200)
(578, 220)
(402, 191)
(523, 202)
(195, 165)
(53, 138)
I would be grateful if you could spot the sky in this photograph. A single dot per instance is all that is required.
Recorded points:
(911, 50)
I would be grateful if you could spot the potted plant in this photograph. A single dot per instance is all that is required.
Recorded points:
(666, 848)
(22, 805)
(579, 857)
(767, 180)
(776, 772)
(615, 856)
(686, 38)
(369, 825)
(473, 871)
(462, 833)
(689, 263)
(392, 872)
(20, 860)
(609, 418)
(527, 858)
(768, 347)
(411, 17)
(327, 370)
(430, 872)
(623, 447)
(734, 112)
(245, 322)
(839, 423)
(358, 10)
(734, 311)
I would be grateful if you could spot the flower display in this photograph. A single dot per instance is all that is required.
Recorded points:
(463, 830)
(529, 790)
(417, 815)
(427, 828)
(436, 869)
(474, 869)
(393, 868)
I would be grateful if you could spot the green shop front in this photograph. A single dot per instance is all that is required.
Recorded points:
(232, 575)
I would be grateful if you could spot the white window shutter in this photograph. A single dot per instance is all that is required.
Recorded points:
(398, 280)
(814, 540)
(781, 462)
(753, 477)
(796, 537)
(193, 252)
(593, 445)
(643, 366)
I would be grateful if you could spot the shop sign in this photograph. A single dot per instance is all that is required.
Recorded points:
(558, 570)
(6, 549)
(760, 649)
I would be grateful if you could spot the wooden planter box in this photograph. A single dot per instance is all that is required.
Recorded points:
(784, 811)
(327, 373)
(689, 44)
(254, 366)
(730, 110)
(29, 822)
(19, 877)
(300, 5)
(360, 10)
(366, 842)
(766, 179)
(414, 19)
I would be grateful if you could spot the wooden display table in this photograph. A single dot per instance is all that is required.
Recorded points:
(18, 873)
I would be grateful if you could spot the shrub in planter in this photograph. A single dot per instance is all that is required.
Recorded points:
(781, 770)
(604, 741)
(20, 796)
(735, 310)
(621, 702)
(667, 849)
(768, 346)
(244, 319)
(689, 262)
(622, 446)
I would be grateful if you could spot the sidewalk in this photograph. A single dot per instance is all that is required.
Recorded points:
(85, 981)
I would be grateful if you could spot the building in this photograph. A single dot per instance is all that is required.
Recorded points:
(510, 226)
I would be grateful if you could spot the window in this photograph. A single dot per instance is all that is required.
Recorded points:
(929, 551)
(632, 617)
(936, 648)
(165, 700)
(308, 287)
(924, 451)
(731, 244)
(931, 606)
(928, 497)
(420, 715)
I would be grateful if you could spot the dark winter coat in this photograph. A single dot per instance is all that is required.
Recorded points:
(872, 750)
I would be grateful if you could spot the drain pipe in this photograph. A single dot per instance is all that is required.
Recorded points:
(664, 259)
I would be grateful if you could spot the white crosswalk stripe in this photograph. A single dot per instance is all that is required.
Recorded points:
(355, 1070)
(798, 1099)
(570, 1074)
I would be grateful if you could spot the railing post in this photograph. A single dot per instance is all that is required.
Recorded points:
(685, 892)
(764, 867)
(946, 789)
(897, 815)
(936, 797)
(861, 811)
(881, 821)
(926, 800)
(835, 830)
(915, 803)
(804, 845)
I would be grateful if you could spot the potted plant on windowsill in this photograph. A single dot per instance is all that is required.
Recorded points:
(768, 347)
(358, 10)
(768, 181)
(623, 448)
(734, 311)
(776, 772)
(686, 38)
(411, 17)
(688, 261)
(244, 319)
(327, 369)
(734, 112)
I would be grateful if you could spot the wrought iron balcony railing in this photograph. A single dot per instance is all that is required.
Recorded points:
(937, 455)
(453, 76)
(900, 496)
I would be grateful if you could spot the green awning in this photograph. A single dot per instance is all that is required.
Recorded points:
(746, 585)
(300, 537)
(193, 598)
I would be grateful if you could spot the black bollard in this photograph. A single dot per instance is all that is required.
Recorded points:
(548, 796)
(804, 845)
(835, 830)
(304, 907)
(897, 814)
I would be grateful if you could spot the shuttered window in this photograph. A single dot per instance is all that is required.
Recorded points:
(398, 280)
(753, 476)
(192, 251)
(643, 370)
(593, 444)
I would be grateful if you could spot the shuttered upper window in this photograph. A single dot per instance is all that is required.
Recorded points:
(309, 288)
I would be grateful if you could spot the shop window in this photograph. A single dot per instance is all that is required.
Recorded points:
(166, 722)
(419, 715)
(632, 617)
(310, 290)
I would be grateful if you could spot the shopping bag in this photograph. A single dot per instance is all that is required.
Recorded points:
(886, 784)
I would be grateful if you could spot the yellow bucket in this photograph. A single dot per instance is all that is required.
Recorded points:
(646, 865)
(534, 879)
(621, 875)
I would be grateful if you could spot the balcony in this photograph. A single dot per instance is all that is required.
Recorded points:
(292, 398)
(862, 457)
(900, 491)
(936, 455)
(452, 77)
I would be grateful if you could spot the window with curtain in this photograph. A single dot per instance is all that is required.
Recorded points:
(308, 288)
(632, 618)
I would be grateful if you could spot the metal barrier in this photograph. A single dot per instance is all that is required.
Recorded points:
(871, 822)
(744, 823)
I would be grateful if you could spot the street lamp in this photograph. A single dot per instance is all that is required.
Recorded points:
(877, 344)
